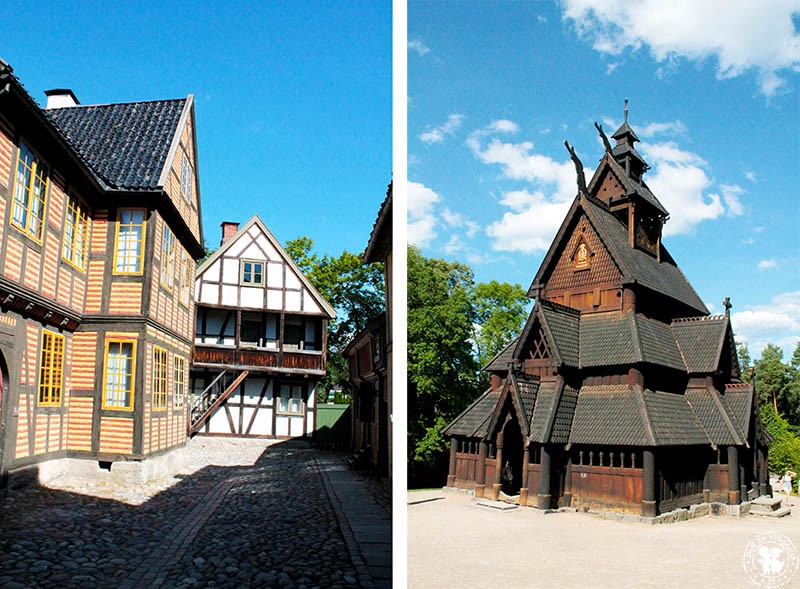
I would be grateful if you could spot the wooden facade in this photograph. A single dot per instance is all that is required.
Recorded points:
(96, 264)
(260, 339)
(369, 358)
(622, 393)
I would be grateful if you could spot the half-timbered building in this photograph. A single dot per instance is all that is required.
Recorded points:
(622, 392)
(260, 339)
(99, 230)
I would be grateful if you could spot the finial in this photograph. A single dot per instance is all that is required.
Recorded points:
(578, 168)
(603, 136)
(626, 110)
(727, 304)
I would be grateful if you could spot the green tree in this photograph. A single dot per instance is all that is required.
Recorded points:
(745, 363)
(771, 378)
(500, 313)
(442, 370)
(354, 289)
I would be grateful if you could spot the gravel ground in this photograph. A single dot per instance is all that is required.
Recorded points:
(245, 513)
(453, 543)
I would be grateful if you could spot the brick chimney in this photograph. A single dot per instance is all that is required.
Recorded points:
(61, 98)
(228, 230)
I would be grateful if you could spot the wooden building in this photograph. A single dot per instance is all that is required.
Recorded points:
(99, 230)
(369, 357)
(260, 339)
(622, 392)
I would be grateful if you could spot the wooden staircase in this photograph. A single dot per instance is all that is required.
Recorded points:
(213, 396)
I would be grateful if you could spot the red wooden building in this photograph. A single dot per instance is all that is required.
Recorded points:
(99, 232)
(622, 392)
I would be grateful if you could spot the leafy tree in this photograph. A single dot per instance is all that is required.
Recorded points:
(784, 452)
(500, 313)
(745, 364)
(771, 378)
(354, 289)
(442, 370)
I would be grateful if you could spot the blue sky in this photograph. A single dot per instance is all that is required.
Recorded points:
(495, 88)
(293, 100)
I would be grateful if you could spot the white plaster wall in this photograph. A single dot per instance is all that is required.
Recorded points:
(282, 426)
(229, 295)
(293, 300)
(209, 294)
(230, 271)
(274, 299)
(252, 297)
(275, 275)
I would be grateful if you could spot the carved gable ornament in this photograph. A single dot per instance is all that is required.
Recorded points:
(581, 257)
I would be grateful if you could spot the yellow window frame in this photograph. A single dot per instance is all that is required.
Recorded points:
(185, 282)
(187, 177)
(117, 373)
(126, 259)
(51, 369)
(168, 259)
(76, 234)
(31, 182)
(179, 384)
(160, 371)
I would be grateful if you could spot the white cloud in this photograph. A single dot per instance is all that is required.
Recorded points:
(750, 175)
(777, 322)
(767, 264)
(418, 46)
(457, 220)
(421, 219)
(541, 19)
(741, 35)
(669, 128)
(748, 241)
(437, 134)
(530, 225)
(503, 126)
(730, 195)
(680, 182)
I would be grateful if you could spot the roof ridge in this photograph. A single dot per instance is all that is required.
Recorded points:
(108, 104)
(559, 307)
(699, 319)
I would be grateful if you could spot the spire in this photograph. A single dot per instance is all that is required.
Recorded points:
(625, 153)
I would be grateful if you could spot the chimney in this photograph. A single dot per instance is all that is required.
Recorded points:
(228, 230)
(61, 98)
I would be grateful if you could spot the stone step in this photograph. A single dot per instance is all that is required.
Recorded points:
(777, 513)
(495, 505)
(765, 504)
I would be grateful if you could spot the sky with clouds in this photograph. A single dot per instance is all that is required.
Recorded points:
(494, 90)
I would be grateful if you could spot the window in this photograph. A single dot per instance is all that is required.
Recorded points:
(185, 279)
(29, 193)
(118, 385)
(51, 369)
(186, 179)
(130, 242)
(291, 399)
(252, 273)
(76, 231)
(292, 333)
(159, 378)
(179, 384)
(168, 259)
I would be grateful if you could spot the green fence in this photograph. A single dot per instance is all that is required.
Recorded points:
(333, 426)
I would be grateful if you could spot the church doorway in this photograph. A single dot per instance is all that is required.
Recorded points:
(513, 449)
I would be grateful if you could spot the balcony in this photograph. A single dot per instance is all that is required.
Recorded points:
(258, 358)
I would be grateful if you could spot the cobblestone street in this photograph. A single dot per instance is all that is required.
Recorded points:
(256, 515)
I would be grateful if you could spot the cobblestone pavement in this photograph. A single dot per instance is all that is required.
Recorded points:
(265, 522)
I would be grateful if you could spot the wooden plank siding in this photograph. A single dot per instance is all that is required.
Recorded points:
(186, 149)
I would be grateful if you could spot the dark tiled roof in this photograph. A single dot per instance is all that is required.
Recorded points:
(607, 340)
(527, 389)
(608, 414)
(740, 401)
(638, 266)
(631, 186)
(473, 420)
(543, 413)
(501, 360)
(657, 343)
(125, 145)
(673, 421)
(708, 412)
(564, 416)
(700, 341)
(563, 324)
(380, 240)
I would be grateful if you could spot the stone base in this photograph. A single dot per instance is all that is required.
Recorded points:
(124, 473)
